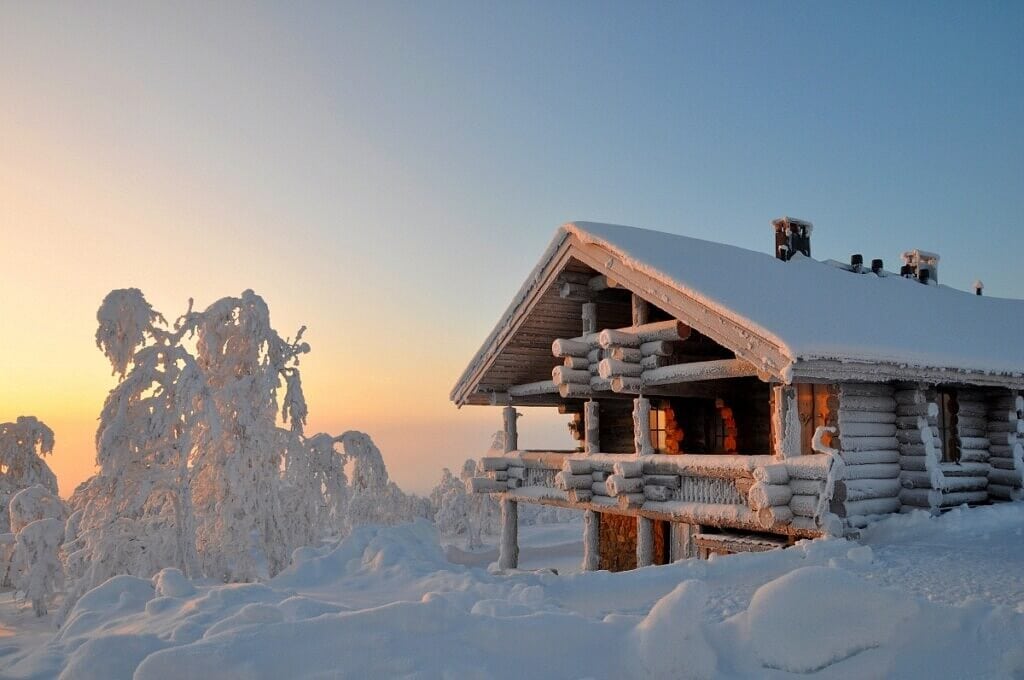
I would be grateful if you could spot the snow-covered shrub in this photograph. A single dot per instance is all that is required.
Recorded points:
(460, 513)
(35, 503)
(38, 572)
(23, 444)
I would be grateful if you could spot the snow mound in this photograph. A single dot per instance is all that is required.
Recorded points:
(670, 641)
(170, 582)
(841, 613)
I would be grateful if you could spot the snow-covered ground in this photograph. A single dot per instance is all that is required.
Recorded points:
(917, 597)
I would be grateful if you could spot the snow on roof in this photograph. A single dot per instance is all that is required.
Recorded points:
(815, 311)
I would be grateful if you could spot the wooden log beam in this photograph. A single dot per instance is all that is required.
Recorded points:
(644, 542)
(533, 389)
(698, 370)
(508, 554)
(591, 540)
(635, 336)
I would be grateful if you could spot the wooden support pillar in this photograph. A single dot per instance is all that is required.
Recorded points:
(644, 542)
(785, 421)
(508, 551)
(591, 540)
(642, 427)
(640, 310)
(589, 317)
(510, 415)
(591, 427)
(683, 545)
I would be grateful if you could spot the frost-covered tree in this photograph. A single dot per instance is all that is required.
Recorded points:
(322, 470)
(38, 572)
(23, 444)
(375, 498)
(135, 515)
(243, 532)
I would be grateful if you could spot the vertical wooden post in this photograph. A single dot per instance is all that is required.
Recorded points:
(642, 427)
(591, 427)
(510, 416)
(644, 542)
(785, 421)
(591, 540)
(640, 310)
(589, 317)
(508, 552)
(683, 545)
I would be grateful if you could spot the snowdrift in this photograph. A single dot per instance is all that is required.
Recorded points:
(386, 603)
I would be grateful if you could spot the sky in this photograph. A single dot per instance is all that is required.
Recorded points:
(388, 173)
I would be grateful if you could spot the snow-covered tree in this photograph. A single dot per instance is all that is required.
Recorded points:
(23, 444)
(243, 532)
(135, 515)
(375, 498)
(38, 572)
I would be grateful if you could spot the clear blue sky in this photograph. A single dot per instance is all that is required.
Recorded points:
(387, 173)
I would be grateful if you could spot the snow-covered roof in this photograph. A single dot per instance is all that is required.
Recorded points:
(814, 314)
(815, 311)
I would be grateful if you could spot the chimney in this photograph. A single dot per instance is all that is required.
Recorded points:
(922, 265)
(877, 265)
(857, 262)
(792, 236)
(978, 287)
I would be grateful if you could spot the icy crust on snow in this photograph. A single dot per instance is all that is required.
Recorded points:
(385, 603)
(841, 315)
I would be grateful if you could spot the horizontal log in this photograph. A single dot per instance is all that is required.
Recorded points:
(950, 500)
(765, 495)
(599, 475)
(485, 485)
(629, 468)
(974, 443)
(533, 389)
(848, 416)
(562, 375)
(599, 489)
(575, 391)
(567, 347)
(577, 466)
(772, 474)
(862, 489)
(910, 397)
(698, 370)
(804, 506)
(867, 457)
(489, 463)
(807, 487)
(1004, 477)
(651, 362)
(626, 385)
(566, 480)
(866, 404)
(618, 485)
(654, 492)
(631, 355)
(577, 363)
(868, 429)
(610, 368)
(668, 481)
(871, 506)
(868, 443)
(580, 495)
(635, 336)
(1001, 463)
(965, 469)
(973, 456)
(1005, 493)
(661, 348)
(774, 515)
(630, 500)
(873, 471)
(865, 390)
(921, 498)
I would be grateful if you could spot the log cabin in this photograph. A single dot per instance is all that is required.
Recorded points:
(727, 400)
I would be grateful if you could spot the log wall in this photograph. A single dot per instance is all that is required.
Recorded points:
(865, 417)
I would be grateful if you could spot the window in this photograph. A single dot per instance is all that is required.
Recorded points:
(658, 433)
(949, 438)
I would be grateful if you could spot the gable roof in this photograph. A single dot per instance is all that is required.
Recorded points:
(801, 318)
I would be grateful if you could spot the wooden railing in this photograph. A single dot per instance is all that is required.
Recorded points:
(750, 492)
